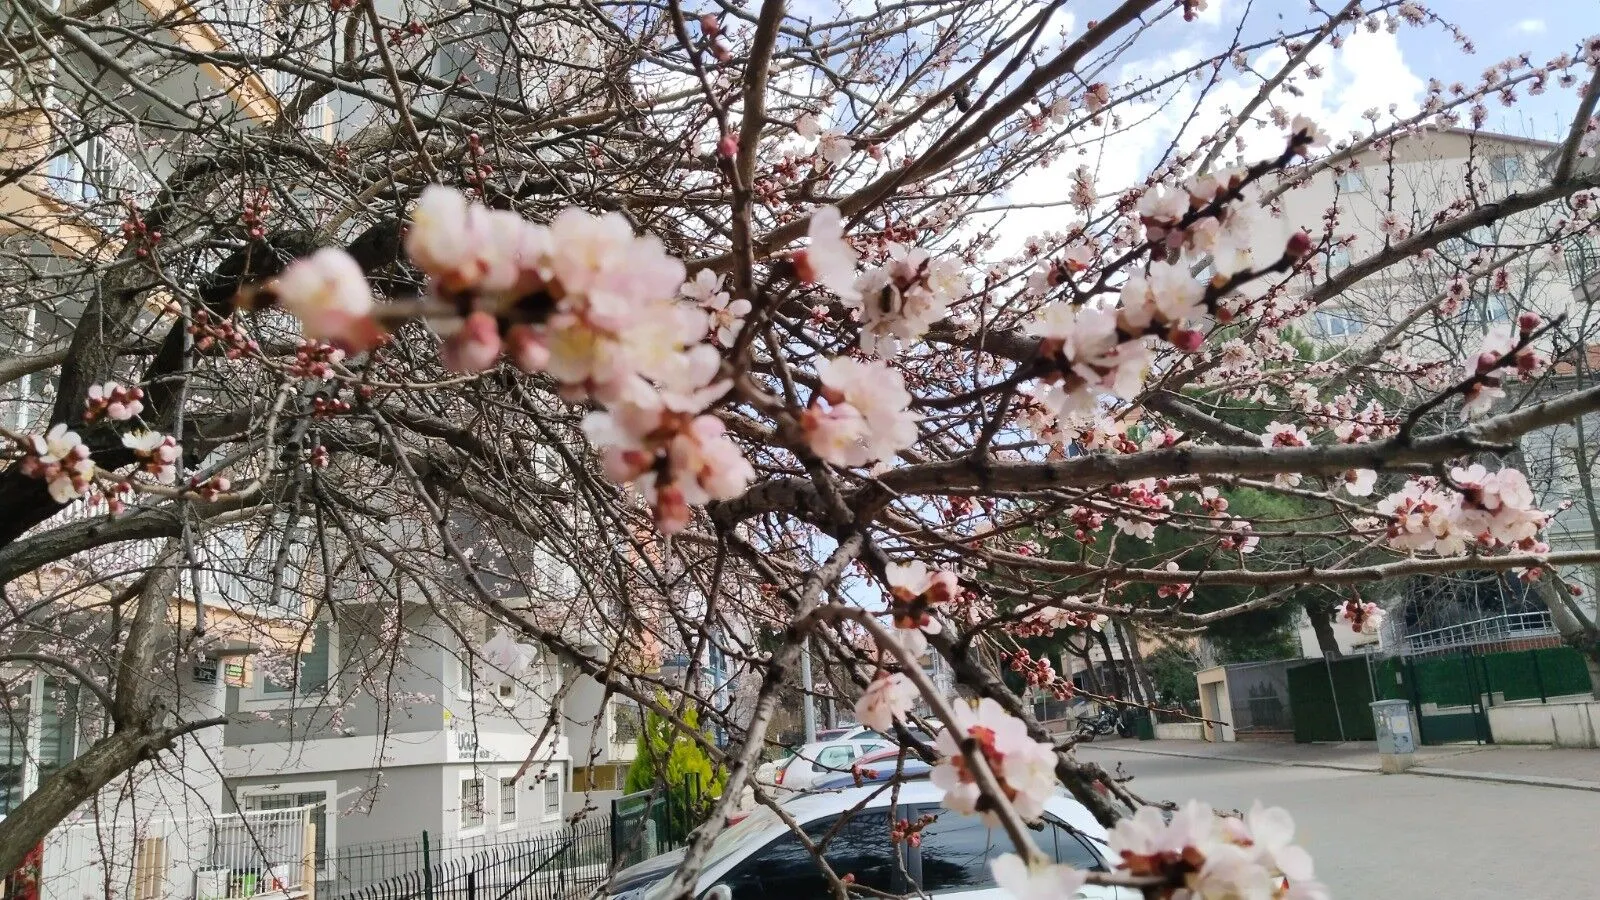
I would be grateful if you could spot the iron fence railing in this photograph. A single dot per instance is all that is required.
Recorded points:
(564, 861)
(1482, 631)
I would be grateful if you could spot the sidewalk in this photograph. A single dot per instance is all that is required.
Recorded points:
(1542, 766)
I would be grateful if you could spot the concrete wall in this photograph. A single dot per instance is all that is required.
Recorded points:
(1561, 724)
(1180, 731)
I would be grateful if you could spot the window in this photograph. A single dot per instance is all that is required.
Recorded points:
(1338, 259)
(58, 725)
(1332, 323)
(957, 850)
(1497, 308)
(508, 801)
(294, 797)
(471, 802)
(836, 757)
(1583, 260)
(552, 795)
(314, 667)
(784, 868)
(1351, 180)
(1505, 167)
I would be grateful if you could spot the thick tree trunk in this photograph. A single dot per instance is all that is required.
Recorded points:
(1112, 673)
(138, 713)
(1136, 660)
(1321, 616)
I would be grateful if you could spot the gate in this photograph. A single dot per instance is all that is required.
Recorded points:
(1447, 693)
(648, 823)
(1330, 700)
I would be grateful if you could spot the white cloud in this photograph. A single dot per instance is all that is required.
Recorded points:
(1529, 26)
(1368, 72)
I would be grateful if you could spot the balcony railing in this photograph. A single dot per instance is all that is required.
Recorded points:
(1482, 631)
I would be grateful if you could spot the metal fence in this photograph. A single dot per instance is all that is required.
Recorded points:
(568, 861)
(217, 858)
(648, 823)
(1494, 629)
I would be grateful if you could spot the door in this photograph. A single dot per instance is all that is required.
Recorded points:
(785, 870)
(953, 859)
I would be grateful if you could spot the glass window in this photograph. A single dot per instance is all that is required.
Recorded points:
(956, 850)
(1338, 259)
(1498, 307)
(13, 751)
(1583, 260)
(508, 801)
(294, 800)
(471, 802)
(835, 757)
(1336, 324)
(552, 794)
(58, 726)
(314, 664)
(1352, 180)
(1505, 167)
(786, 869)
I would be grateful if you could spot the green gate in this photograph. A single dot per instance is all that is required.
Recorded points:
(1330, 698)
(648, 823)
(1454, 687)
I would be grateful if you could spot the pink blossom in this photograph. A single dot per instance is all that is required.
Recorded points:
(881, 426)
(829, 259)
(886, 700)
(1051, 881)
(328, 293)
(1359, 482)
(1023, 767)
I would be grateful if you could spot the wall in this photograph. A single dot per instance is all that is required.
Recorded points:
(1180, 731)
(1561, 724)
(1215, 703)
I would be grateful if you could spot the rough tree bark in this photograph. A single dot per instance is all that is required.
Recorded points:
(139, 714)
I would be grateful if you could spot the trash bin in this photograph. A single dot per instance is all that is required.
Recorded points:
(1143, 725)
(1396, 746)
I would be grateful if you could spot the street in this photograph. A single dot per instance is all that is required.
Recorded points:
(1396, 836)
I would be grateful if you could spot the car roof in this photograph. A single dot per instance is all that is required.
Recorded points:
(807, 807)
(810, 750)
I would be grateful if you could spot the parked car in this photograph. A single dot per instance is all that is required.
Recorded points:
(759, 857)
(851, 733)
(876, 767)
(820, 760)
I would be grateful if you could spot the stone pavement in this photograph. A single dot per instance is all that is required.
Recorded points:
(1543, 766)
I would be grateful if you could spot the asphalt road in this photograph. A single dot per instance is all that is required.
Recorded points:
(1384, 837)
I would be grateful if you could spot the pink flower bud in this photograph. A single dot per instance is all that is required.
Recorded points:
(728, 147)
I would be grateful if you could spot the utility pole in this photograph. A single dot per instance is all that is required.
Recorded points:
(809, 701)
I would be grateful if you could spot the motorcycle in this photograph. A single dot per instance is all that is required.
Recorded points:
(1105, 722)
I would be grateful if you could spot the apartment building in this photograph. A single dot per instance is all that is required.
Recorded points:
(1383, 195)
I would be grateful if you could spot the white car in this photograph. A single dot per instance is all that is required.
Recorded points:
(823, 759)
(760, 858)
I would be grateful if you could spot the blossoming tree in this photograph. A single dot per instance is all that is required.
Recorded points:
(734, 301)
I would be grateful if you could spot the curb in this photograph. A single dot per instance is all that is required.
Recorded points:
(1570, 784)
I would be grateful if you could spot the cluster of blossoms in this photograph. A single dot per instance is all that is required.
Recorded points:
(584, 300)
(1363, 617)
(61, 460)
(860, 414)
(897, 301)
(1035, 672)
(1051, 619)
(1150, 505)
(158, 453)
(833, 145)
(1479, 509)
(117, 402)
(887, 699)
(915, 594)
(1023, 768)
(1497, 360)
(1202, 855)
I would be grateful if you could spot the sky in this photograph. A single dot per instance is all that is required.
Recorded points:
(1370, 71)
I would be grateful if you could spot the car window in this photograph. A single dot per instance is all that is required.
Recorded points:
(835, 757)
(785, 869)
(956, 850)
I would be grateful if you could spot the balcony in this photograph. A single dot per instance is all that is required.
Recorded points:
(1492, 630)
